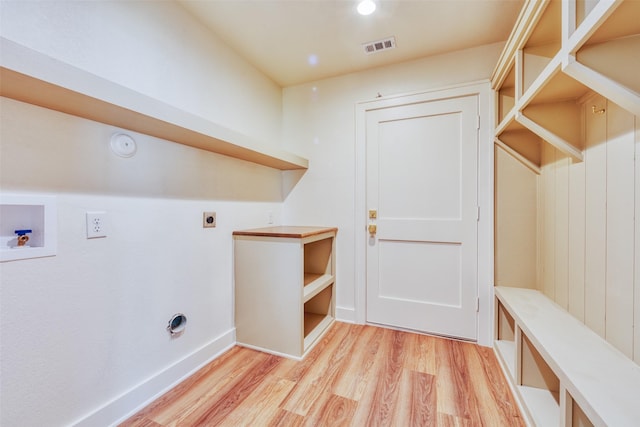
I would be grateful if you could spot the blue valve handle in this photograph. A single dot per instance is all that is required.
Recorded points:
(22, 232)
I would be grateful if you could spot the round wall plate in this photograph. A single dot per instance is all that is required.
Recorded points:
(123, 145)
(176, 324)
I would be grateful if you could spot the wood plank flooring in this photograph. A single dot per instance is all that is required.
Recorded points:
(357, 375)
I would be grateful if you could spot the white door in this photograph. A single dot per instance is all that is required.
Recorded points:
(422, 184)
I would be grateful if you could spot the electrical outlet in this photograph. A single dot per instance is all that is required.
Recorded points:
(209, 219)
(96, 224)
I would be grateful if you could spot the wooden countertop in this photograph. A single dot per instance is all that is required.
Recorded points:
(286, 231)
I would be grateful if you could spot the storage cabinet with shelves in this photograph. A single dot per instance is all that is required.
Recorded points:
(569, 73)
(284, 287)
(558, 54)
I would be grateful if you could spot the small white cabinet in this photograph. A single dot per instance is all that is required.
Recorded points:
(284, 287)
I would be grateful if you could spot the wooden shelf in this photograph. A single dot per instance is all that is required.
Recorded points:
(522, 141)
(506, 351)
(289, 231)
(552, 109)
(608, 21)
(610, 59)
(542, 405)
(555, 73)
(566, 147)
(554, 86)
(603, 52)
(34, 78)
(541, 46)
(314, 326)
(314, 283)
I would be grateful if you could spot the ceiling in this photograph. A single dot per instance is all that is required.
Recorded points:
(297, 41)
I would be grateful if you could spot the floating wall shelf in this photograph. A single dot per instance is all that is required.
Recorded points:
(34, 78)
(559, 53)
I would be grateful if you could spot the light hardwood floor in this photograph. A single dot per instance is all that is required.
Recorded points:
(356, 376)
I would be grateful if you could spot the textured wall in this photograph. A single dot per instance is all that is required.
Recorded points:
(589, 240)
(320, 123)
(83, 327)
(155, 48)
(83, 332)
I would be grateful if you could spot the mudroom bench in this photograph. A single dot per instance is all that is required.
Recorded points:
(562, 373)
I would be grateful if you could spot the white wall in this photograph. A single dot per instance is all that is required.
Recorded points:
(319, 123)
(156, 48)
(516, 232)
(83, 333)
(83, 327)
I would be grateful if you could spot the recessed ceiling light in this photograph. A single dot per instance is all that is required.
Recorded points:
(366, 7)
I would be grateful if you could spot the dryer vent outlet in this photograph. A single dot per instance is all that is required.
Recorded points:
(176, 325)
(209, 220)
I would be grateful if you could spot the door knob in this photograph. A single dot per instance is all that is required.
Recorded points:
(372, 229)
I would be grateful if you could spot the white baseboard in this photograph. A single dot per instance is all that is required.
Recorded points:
(347, 315)
(132, 401)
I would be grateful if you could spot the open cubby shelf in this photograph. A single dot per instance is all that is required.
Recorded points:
(285, 287)
(554, 60)
(561, 372)
(566, 63)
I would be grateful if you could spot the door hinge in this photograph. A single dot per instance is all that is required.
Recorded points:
(478, 213)
(478, 124)
(477, 305)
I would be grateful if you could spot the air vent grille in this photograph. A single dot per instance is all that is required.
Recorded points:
(379, 45)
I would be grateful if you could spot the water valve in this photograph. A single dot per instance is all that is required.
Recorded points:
(22, 236)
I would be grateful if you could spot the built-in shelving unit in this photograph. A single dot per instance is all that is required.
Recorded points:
(563, 60)
(558, 54)
(285, 287)
(562, 372)
(34, 78)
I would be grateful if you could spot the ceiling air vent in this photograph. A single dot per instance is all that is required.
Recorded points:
(379, 45)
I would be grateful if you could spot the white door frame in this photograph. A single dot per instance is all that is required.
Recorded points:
(485, 195)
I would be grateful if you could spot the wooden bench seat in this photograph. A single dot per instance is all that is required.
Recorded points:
(562, 372)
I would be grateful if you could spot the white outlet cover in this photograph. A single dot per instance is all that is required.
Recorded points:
(96, 224)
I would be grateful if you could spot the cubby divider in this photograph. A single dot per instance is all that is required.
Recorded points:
(507, 94)
(505, 342)
(561, 55)
(542, 45)
(538, 386)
